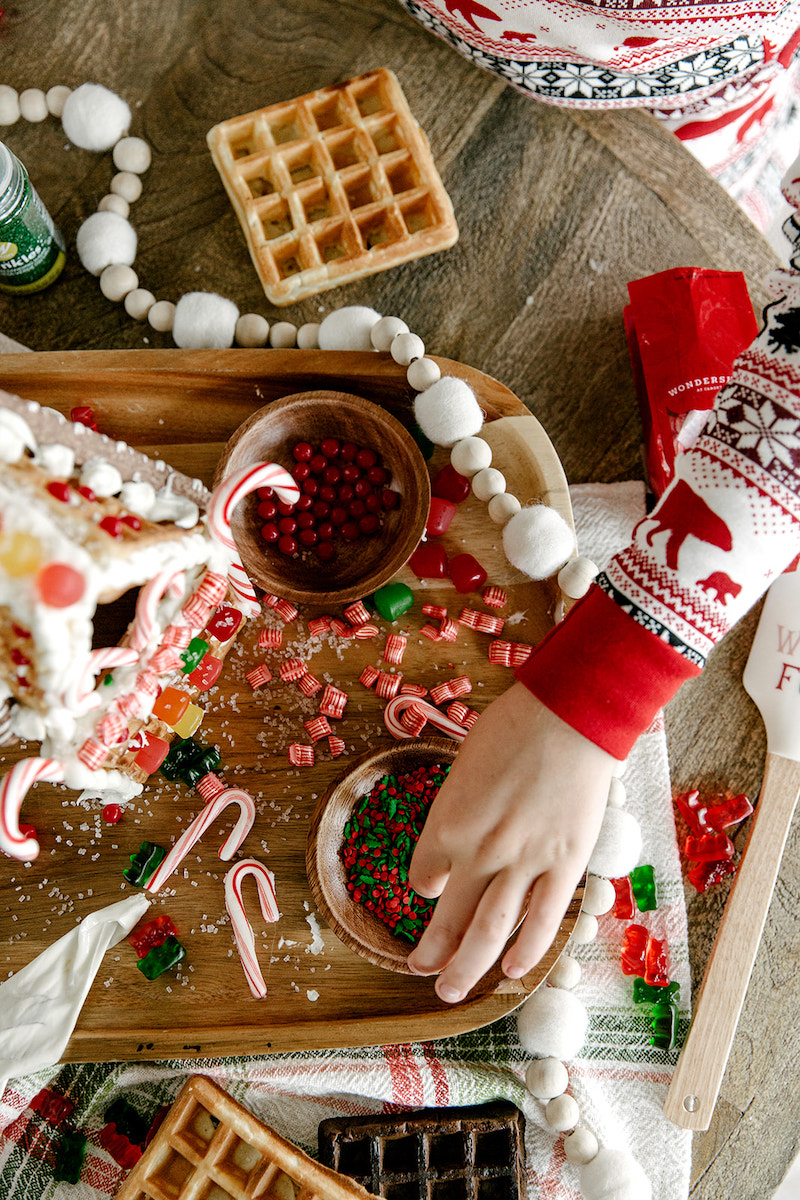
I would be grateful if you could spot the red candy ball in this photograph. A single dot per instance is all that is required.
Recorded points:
(270, 532)
(287, 545)
(59, 585)
(303, 451)
(330, 447)
(112, 813)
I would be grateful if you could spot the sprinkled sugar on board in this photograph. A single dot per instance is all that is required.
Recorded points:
(182, 406)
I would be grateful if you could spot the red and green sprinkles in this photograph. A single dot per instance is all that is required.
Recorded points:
(379, 840)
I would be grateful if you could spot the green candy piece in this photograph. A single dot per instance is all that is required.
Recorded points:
(161, 958)
(663, 1023)
(144, 863)
(70, 1153)
(643, 882)
(128, 1121)
(208, 761)
(192, 655)
(424, 442)
(393, 600)
(648, 993)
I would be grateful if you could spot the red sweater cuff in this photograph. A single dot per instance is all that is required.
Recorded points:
(604, 673)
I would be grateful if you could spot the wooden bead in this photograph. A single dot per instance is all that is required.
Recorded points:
(546, 1078)
(470, 455)
(117, 280)
(33, 104)
(580, 1146)
(115, 204)
(283, 335)
(562, 1113)
(585, 929)
(308, 336)
(132, 154)
(9, 105)
(565, 972)
(138, 303)
(576, 577)
(252, 331)
(161, 316)
(384, 331)
(406, 347)
(127, 185)
(487, 483)
(503, 507)
(598, 896)
(55, 97)
(422, 372)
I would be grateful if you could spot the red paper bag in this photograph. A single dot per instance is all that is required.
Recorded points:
(684, 328)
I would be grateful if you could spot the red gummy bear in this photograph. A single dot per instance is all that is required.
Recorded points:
(634, 949)
(51, 1106)
(730, 811)
(123, 1151)
(623, 903)
(709, 847)
(705, 874)
(154, 933)
(656, 963)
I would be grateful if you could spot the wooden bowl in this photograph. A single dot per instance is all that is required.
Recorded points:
(360, 567)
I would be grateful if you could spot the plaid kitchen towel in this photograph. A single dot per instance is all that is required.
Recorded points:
(619, 1080)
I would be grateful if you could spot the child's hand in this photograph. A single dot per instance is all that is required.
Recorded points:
(518, 816)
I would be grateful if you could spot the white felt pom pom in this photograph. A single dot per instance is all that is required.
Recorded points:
(616, 793)
(576, 577)
(614, 1175)
(565, 972)
(562, 1113)
(105, 238)
(537, 541)
(598, 896)
(132, 154)
(552, 1023)
(618, 845)
(546, 1078)
(204, 321)
(470, 455)
(383, 332)
(580, 1146)
(488, 482)
(252, 331)
(448, 411)
(503, 507)
(348, 328)
(94, 118)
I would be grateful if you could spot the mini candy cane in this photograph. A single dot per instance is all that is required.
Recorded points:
(200, 824)
(148, 600)
(242, 929)
(224, 500)
(395, 708)
(80, 696)
(14, 789)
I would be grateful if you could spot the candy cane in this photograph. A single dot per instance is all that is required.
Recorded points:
(224, 500)
(242, 929)
(445, 724)
(14, 788)
(80, 695)
(148, 600)
(200, 824)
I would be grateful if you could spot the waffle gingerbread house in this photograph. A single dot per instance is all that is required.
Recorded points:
(85, 520)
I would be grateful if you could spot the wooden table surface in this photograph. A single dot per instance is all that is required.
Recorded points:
(557, 211)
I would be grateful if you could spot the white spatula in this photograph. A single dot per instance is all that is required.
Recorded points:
(772, 679)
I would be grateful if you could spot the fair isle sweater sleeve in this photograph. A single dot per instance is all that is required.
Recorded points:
(727, 525)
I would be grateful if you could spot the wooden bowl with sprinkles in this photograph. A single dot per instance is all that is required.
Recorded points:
(359, 566)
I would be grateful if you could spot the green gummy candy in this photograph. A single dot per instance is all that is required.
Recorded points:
(161, 958)
(393, 600)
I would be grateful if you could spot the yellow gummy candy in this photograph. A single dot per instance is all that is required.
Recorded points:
(189, 721)
(20, 554)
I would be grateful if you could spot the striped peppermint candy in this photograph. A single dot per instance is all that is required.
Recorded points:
(207, 816)
(13, 790)
(147, 602)
(80, 695)
(396, 707)
(224, 500)
(242, 929)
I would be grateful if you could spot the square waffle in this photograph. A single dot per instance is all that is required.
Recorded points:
(211, 1148)
(474, 1153)
(333, 186)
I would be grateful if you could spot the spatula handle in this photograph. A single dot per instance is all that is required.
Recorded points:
(698, 1076)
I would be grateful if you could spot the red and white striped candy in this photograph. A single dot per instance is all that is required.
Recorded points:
(317, 728)
(468, 617)
(434, 610)
(292, 668)
(495, 597)
(442, 692)
(258, 676)
(13, 790)
(147, 602)
(449, 630)
(92, 753)
(223, 501)
(457, 710)
(111, 729)
(342, 629)
(336, 745)
(196, 612)
(207, 816)
(395, 648)
(367, 630)
(414, 719)
(241, 927)
(333, 702)
(81, 694)
(412, 689)
(309, 684)
(318, 626)
(285, 610)
(388, 685)
(213, 589)
(209, 786)
(270, 639)
(300, 755)
(487, 623)
(395, 708)
(165, 659)
(431, 632)
(369, 676)
(178, 636)
(460, 686)
(356, 613)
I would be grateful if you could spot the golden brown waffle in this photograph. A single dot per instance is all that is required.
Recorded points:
(211, 1148)
(474, 1153)
(333, 186)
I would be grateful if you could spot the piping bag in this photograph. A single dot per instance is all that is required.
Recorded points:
(40, 1005)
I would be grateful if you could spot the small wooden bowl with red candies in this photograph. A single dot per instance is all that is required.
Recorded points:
(364, 497)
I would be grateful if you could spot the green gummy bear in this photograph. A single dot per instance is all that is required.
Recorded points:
(663, 1024)
(143, 863)
(643, 883)
(70, 1154)
(649, 993)
(161, 958)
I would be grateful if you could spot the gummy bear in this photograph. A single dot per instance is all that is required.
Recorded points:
(143, 863)
(644, 888)
(663, 1023)
(647, 993)
(708, 847)
(70, 1153)
(623, 902)
(656, 963)
(161, 958)
(705, 874)
(51, 1106)
(127, 1119)
(121, 1149)
(634, 947)
(152, 934)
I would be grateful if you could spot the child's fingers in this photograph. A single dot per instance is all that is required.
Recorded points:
(430, 866)
(549, 900)
(450, 921)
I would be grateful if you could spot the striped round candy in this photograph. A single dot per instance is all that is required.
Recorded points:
(15, 787)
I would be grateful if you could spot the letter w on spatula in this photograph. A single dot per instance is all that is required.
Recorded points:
(772, 679)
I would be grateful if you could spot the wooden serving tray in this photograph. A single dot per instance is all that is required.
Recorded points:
(183, 406)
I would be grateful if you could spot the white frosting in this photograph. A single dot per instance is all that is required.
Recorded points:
(168, 507)
(138, 497)
(99, 475)
(26, 724)
(56, 459)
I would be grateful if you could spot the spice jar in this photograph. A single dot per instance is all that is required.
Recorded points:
(31, 248)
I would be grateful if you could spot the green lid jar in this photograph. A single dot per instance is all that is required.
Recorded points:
(31, 248)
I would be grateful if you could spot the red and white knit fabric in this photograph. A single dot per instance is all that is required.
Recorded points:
(726, 526)
(724, 76)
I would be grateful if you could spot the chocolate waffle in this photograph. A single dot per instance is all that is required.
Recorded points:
(333, 186)
(474, 1153)
(211, 1148)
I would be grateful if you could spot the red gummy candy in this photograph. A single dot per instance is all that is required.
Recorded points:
(112, 813)
(224, 623)
(450, 485)
(705, 874)
(730, 811)
(152, 753)
(634, 949)
(206, 673)
(51, 1106)
(693, 810)
(466, 573)
(123, 1151)
(623, 903)
(440, 515)
(59, 491)
(83, 415)
(59, 585)
(154, 933)
(429, 561)
(709, 847)
(656, 963)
